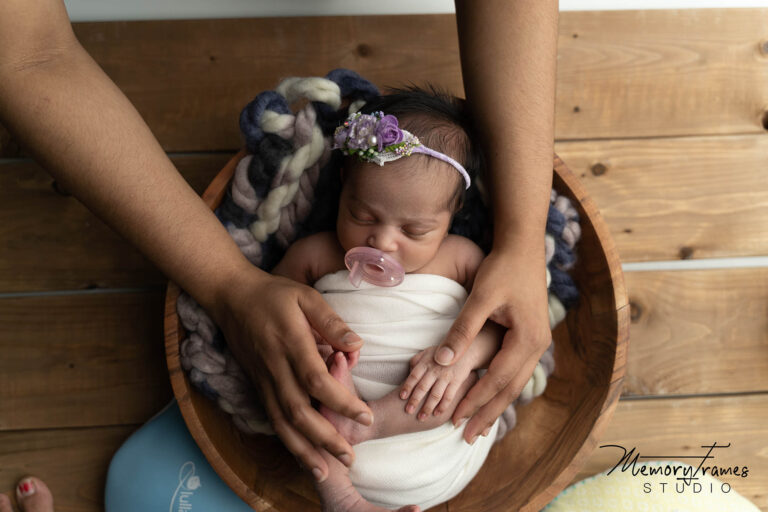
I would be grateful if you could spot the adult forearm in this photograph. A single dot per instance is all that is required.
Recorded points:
(80, 126)
(508, 60)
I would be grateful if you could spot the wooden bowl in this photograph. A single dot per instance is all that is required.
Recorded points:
(554, 435)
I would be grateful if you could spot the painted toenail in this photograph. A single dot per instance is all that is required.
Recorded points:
(26, 488)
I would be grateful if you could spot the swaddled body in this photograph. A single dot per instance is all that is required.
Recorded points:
(427, 467)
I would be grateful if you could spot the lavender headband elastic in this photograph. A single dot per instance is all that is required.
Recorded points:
(377, 138)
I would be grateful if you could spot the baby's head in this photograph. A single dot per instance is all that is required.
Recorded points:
(406, 206)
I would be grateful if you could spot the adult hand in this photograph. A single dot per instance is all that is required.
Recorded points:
(270, 324)
(510, 289)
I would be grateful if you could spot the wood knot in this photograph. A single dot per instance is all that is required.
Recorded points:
(575, 36)
(363, 50)
(635, 312)
(577, 109)
(686, 253)
(628, 230)
(764, 120)
(764, 47)
(599, 169)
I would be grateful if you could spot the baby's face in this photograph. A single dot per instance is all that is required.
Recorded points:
(392, 209)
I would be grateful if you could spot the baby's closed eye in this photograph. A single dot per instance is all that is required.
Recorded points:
(415, 232)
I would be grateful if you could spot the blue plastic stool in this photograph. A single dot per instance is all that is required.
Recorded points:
(160, 468)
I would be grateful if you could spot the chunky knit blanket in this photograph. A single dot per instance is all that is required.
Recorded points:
(288, 186)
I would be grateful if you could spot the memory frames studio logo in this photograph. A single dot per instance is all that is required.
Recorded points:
(686, 477)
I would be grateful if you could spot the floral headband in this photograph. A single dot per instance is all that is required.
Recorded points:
(377, 138)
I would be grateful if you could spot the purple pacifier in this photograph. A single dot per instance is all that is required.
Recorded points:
(373, 266)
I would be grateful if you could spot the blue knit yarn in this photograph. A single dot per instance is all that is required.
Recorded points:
(351, 84)
(563, 287)
(555, 221)
(251, 114)
(353, 87)
(271, 150)
(564, 258)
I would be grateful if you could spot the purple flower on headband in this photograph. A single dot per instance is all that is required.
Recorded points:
(388, 132)
(368, 134)
(361, 132)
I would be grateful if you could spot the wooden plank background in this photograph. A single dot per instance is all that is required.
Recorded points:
(661, 113)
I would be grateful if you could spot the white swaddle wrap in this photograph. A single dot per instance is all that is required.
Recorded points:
(423, 468)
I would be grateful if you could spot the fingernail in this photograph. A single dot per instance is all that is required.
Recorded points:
(486, 431)
(461, 422)
(403, 395)
(26, 488)
(473, 439)
(444, 355)
(409, 408)
(422, 416)
(365, 419)
(351, 339)
(318, 474)
(345, 459)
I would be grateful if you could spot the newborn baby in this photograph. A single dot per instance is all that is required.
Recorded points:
(403, 207)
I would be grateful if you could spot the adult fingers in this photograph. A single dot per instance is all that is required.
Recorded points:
(486, 415)
(455, 389)
(463, 331)
(514, 363)
(294, 441)
(328, 324)
(312, 375)
(307, 421)
(503, 391)
(499, 375)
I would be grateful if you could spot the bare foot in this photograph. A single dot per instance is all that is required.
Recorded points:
(349, 429)
(32, 495)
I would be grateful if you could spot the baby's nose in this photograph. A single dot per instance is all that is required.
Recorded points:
(383, 240)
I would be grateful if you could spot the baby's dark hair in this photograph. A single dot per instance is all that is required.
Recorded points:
(440, 120)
